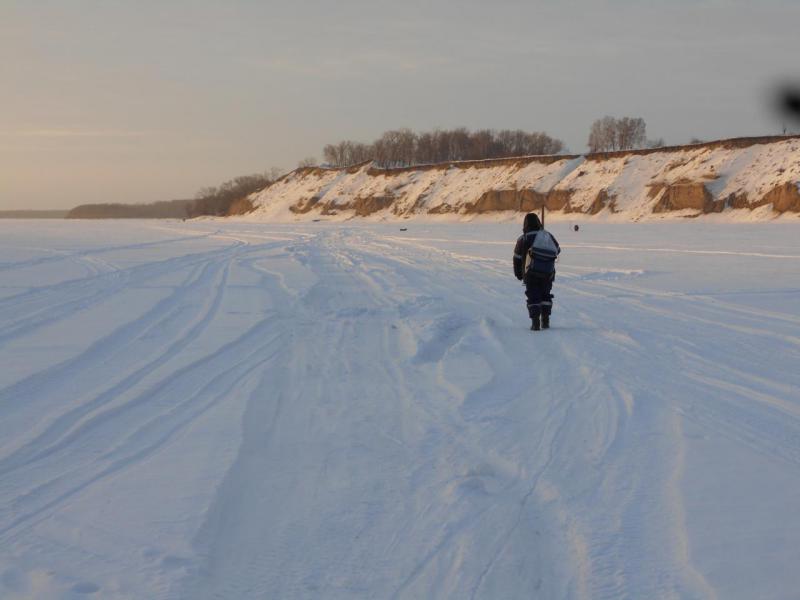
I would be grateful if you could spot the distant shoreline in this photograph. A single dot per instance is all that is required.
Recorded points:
(34, 214)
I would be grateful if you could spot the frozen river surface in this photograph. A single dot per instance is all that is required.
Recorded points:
(239, 410)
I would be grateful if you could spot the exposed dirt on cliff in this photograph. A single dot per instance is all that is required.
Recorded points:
(305, 205)
(784, 198)
(601, 201)
(686, 195)
(372, 204)
(442, 209)
(525, 200)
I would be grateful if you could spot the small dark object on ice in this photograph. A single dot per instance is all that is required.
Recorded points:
(404, 229)
(576, 228)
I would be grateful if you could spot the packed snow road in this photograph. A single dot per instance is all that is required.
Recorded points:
(242, 410)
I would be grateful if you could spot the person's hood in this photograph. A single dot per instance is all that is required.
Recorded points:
(531, 223)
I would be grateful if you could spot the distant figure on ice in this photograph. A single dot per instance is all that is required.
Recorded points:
(534, 263)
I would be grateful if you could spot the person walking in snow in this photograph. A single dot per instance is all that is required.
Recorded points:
(535, 264)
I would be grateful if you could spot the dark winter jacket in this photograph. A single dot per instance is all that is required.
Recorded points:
(536, 252)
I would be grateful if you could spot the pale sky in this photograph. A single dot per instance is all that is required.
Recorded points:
(138, 101)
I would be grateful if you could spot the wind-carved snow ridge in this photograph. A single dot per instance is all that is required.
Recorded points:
(739, 179)
(240, 410)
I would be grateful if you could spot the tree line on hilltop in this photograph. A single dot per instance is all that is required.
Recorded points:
(609, 134)
(404, 147)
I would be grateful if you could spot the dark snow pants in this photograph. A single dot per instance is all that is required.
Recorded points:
(537, 290)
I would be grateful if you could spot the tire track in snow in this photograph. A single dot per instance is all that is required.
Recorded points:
(72, 372)
(72, 424)
(77, 447)
(51, 493)
(686, 308)
(90, 254)
(61, 430)
(30, 311)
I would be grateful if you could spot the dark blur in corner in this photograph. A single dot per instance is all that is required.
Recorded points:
(787, 102)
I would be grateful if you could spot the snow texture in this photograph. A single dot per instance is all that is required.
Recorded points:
(237, 410)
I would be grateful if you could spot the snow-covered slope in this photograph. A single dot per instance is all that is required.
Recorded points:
(237, 411)
(755, 178)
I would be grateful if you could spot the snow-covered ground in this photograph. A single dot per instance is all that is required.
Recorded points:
(243, 410)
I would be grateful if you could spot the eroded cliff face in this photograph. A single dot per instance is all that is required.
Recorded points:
(686, 195)
(744, 174)
(784, 198)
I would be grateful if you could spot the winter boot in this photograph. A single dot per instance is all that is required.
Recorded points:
(535, 323)
(547, 306)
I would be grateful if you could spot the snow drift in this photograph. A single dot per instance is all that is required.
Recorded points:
(758, 177)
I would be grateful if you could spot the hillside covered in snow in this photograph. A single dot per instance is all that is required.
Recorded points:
(749, 178)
